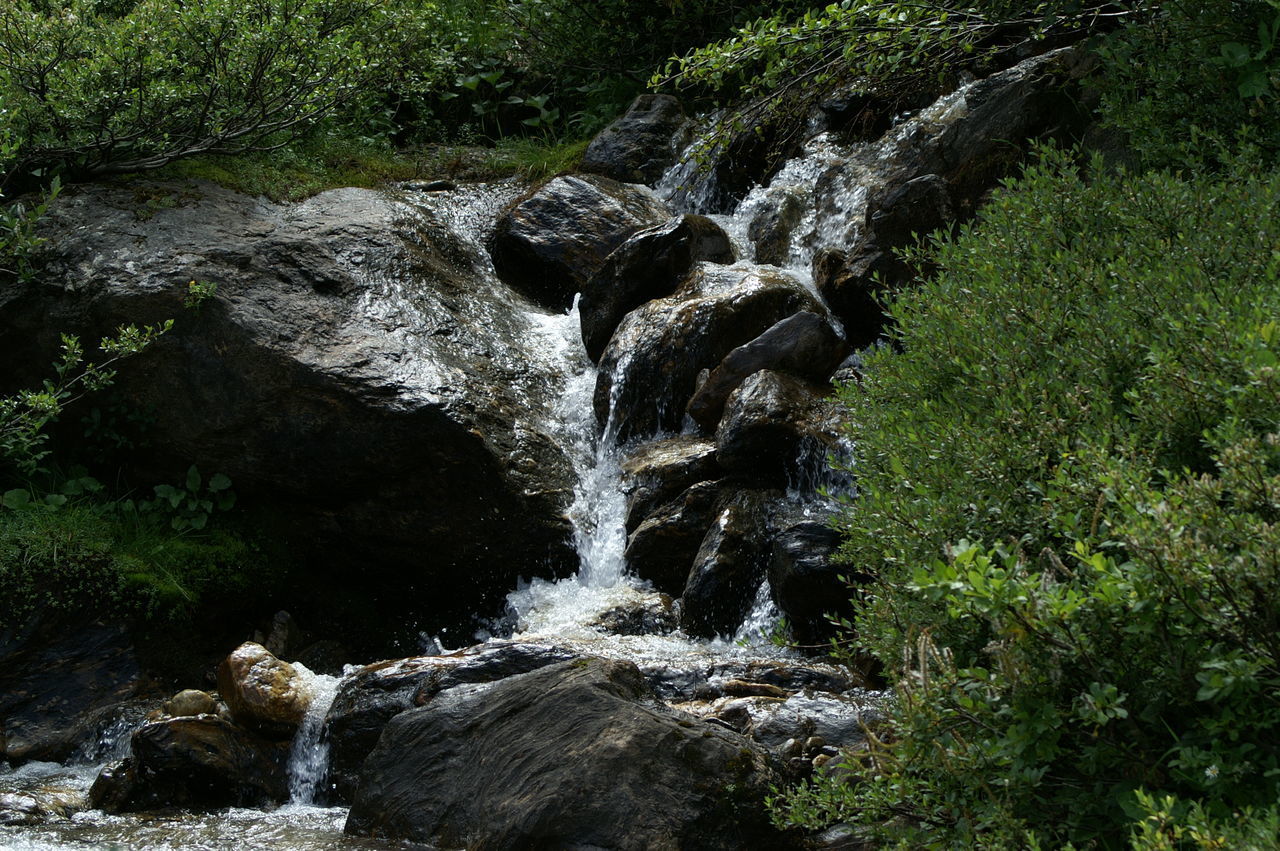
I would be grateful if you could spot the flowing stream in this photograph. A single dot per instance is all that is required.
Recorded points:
(821, 196)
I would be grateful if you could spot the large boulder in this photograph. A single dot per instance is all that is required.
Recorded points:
(56, 682)
(576, 755)
(727, 569)
(656, 473)
(264, 694)
(806, 583)
(358, 370)
(375, 694)
(640, 145)
(804, 344)
(855, 286)
(549, 244)
(662, 547)
(766, 421)
(201, 762)
(650, 369)
(649, 265)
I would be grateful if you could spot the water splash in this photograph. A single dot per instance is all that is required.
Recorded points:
(309, 753)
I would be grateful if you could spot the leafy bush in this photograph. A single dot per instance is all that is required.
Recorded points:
(1090, 386)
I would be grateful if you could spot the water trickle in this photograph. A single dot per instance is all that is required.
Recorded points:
(309, 753)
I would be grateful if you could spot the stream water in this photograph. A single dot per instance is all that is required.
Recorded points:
(824, 191)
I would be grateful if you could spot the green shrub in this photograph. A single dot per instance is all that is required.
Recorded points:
(1090, 387)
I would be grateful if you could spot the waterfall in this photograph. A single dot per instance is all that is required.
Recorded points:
(309, 753)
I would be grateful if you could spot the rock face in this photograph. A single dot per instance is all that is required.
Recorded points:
(727, 569)
(550, 243)
(202, 762)
(804, 344)
(54, 682)
(649, 371)
(357, 370)
(262, 692)
(642, 144)
(649, 265)
(576, 755)
(764, 423)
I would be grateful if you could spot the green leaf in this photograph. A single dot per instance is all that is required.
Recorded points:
(1253, 84)
(1235, 54)
(193, 479)
(17, 498)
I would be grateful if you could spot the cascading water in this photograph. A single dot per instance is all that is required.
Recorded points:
(309, 751)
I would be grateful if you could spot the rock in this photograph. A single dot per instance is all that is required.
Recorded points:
(197, 763)
(910, 211)
(658, 472)
(358, 371)
(263, 693)
(770, 228)
(54, 681)
(325, 657)
(662, 548)
(838, 720)
(189, 702)
(855, 287)
(369, 698)
(804, 344)
(649, 370)
(551, 242)
(805, 581)
(284, 638)
(765, 421)
(550, 759)
(646, 617)
(642, 144)
(648, 265)
(727, 569)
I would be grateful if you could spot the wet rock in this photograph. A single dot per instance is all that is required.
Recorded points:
(658, 472)
(804, 344)
(550, 243)
(54, 680)
(727, 569)
(375, 694)
(18, 809)
(839, 720)
(806, 583)
(649, 370)
(325, 657)
(357, 371)
(285, 637)
(103, 734)
(770, 229)
(263, 693)
(189, 702)
(198, 763)
(855, 287)
(491, 771)
(648, 265)
(742, 688)
(648, 617)
(912, 210)
(765, 420)
(640, 145)
(662, 548)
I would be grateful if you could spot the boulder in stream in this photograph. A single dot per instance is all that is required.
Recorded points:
(661, 549)
(549, 243)
(264, 694)
(659, 471)
(576, 755)
(766, 421)
(727, 569)
(641, 144)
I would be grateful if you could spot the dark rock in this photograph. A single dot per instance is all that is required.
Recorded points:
(325, 657)
(642, 144)
(263, 693)
(658, 472)
(909, 211)
(356, 371)
(372, 696)
(764, 423)
(649, 617)
(727, 570)
(550, 760)
(804, 344)
(855, 287)
(649, 265)
(771, 227)
(662, 548)
(550, 243)
(649, 371)
(284, 638)
(805, 581)
(54, 680)
(199, 763)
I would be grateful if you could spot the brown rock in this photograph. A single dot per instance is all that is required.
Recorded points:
(263, 693)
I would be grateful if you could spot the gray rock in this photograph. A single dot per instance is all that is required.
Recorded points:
(855, 286)
(909, 211)
(550, 243)
(805, 582)
(804, 344)
(655, 616)
(550, 759)
(640, 145)
(764, 424)
(658, 472)
(770, 229)
(649, 371)
(662, 548)
(649, 265)
(727, 569)
(357, 371)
